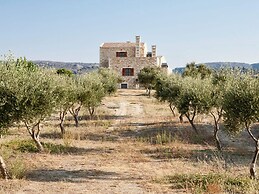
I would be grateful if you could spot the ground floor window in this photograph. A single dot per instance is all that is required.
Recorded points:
(124, 86)
(127, 71)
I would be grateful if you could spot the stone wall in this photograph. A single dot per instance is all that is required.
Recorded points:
(107, 53)
(137, 63)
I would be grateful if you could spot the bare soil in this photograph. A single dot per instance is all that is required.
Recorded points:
(119, 152)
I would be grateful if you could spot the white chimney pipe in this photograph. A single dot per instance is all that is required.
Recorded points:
(153, 50)
(137, 48)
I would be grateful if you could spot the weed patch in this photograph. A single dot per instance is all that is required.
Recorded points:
(30, 147)
(16, 166)
(212, 183)
(168, 153)
(160, 138)
(22, 146)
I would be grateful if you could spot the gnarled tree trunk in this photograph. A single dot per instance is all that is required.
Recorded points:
(35, 134)
(3, 168)
(216, 129)
(172, 108)
(181, 118)
(75, 112)
(256, 152)
(191, 120)
(62, 116)
(253, 163)
(91, 111)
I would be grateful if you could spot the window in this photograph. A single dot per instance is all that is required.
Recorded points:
(121, 54)
(124, 86)
(128, 72)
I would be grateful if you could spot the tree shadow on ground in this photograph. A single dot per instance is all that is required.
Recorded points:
(132, 94)
(70, 150)
(170, 131)
(81, 135)
(57, 175)
(227, 157)
(99, 137)
(51, 135)
(103, 117)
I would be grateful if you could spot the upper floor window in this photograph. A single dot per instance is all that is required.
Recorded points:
(121, 54)
(127, 71)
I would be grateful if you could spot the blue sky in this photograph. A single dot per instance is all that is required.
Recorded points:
(183, 30)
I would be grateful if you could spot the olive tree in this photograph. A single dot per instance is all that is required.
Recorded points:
(168, 89)
(241, 107)
(67, 90)
(110, 80)
(7, 115)
(194, 98)
(94, 91)
(220, 84)
(8, 108)
(89, 91)
(77, 95)
(66, 72)
(148, 77)
(36, 93)
(193, 70)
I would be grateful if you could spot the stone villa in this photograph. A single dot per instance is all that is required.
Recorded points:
(128, 58)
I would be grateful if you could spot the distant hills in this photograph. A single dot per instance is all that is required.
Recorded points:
(75, 67)
(220, 65)
(78, 67)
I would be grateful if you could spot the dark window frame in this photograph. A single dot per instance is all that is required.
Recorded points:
(124, 85)
(121, 54)
(128, 71)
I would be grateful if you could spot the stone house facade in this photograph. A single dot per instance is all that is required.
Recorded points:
(128, 58)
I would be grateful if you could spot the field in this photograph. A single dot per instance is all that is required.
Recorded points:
(132, 145)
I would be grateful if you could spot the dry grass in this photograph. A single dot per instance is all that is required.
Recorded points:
(124, 151)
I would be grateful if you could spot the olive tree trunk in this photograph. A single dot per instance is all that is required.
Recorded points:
(191, 121)
(256, 153)
(62, 116)
(91, 111)
(172, 108)
(34, 131)
(253, 163)
(75, 112)
(216, 129)
(3, 168)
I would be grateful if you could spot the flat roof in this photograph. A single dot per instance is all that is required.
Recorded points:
(119, 44)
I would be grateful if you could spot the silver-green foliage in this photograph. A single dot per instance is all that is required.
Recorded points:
(110, 80)
(241, 103)
(35, 91)
(91, 91)
(241, 106)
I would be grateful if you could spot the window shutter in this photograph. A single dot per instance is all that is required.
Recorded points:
(123, 71)
(132, 71)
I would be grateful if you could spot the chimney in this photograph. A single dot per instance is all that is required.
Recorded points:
(153, 50)
(137, 50)
(137, 39)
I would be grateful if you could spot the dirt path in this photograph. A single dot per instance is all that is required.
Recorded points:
(116, 152)
(104, 167)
